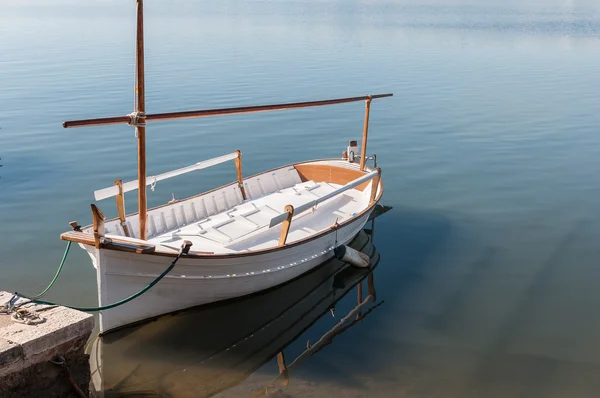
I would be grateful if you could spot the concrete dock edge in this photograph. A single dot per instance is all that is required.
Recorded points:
(26, 352)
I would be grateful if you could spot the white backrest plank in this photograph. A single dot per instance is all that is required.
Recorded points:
(132, 185)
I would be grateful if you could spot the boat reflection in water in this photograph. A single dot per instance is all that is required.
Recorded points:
(206, 350)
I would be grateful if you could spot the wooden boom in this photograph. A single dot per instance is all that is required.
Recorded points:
(127, 119)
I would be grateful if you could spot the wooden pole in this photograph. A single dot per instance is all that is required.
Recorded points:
(218, 112)
(285, 225)
(98, 219)
(363, 149)
(238, 170)
(140, 124)
(375, 185)
(120, 198)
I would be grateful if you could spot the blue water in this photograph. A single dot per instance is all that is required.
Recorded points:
(489, 147)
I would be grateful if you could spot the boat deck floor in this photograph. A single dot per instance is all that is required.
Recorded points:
(245, 227)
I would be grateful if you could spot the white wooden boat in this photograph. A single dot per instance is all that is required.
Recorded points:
(247, 236)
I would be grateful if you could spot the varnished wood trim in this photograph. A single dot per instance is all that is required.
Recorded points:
(79, 237)
(218, 112)
(238, 171)
(127, 246)
(363, 149)
(108, 243)
(120, 199)
(375, 185)
(98, 218)
(285, 225)
(330, 173)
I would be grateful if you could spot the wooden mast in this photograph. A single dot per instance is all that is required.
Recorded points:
(139, 119)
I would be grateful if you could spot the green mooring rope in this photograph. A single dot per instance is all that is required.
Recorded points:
(104, 307)
(58, 271)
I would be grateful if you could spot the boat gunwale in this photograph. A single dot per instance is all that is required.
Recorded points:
(201, 255)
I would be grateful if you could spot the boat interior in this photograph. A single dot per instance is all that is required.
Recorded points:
(240, 217)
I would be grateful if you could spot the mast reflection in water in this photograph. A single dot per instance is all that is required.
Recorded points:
(206, 350)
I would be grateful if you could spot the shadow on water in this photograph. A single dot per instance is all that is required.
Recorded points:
(462, 320)
(203, 351)
(412, 239)
(535, 375)
(413, 235)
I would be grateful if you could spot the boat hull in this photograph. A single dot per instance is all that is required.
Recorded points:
(243, 335)
(200, 280)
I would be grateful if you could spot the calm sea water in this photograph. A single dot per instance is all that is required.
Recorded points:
(490, 150)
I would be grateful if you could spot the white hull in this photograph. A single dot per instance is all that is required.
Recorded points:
(197, 281)
(243, 335)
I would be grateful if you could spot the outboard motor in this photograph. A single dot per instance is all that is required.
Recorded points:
(351, 151)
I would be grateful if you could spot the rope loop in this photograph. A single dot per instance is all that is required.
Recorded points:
(137, 119)
(58, 360)
(27, 317)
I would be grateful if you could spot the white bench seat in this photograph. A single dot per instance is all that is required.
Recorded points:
(223, 232)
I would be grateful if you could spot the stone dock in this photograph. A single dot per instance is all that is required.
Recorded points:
(46, 358)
